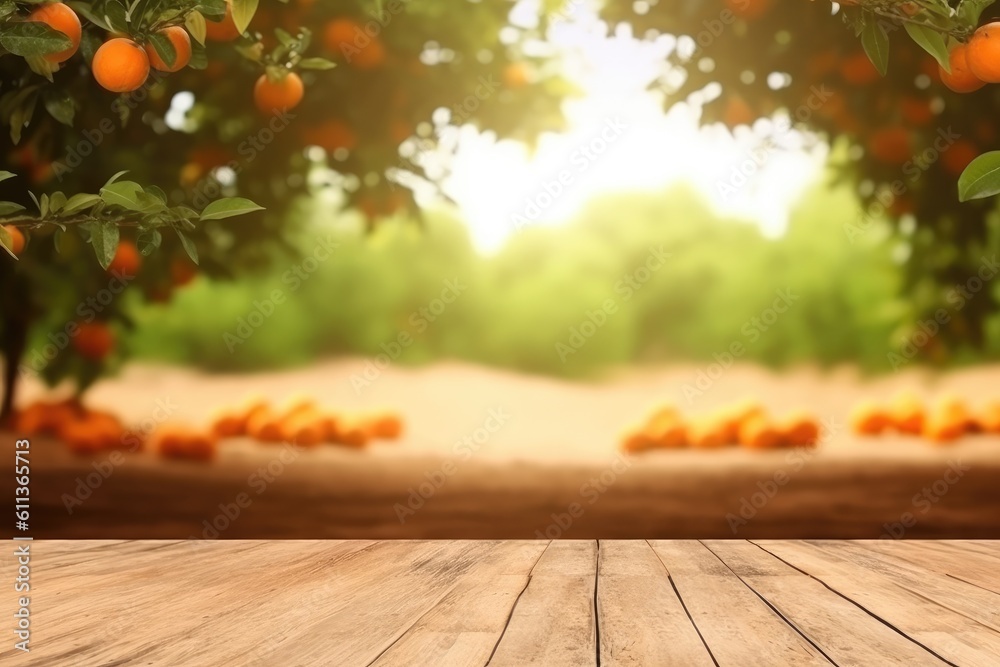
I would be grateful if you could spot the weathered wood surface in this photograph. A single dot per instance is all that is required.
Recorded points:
(523, 603)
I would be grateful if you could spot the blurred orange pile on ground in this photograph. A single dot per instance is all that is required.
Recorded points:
(946, 420)
(747, 424)
(85, 431)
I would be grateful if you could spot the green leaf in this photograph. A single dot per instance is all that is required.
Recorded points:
(930, 41)
(43, 205)
(115, 177)
(104, 237)
(148, 241)
(969, 11)
(59, 105)
(21, 116)
(124, 194)
(189, 247)
(80, 201)
(116, 16)
(228, 207)
(85, 9)
(199, 58)
(876, 45)
(8, 207)
(31, 38)
(56, 201)
(4, 175)
(164, 48)
(195, 24)
(243, 11)
(316, 63)
(981, 178)
(6, 241)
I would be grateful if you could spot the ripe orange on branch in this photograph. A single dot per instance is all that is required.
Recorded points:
(274, 94)
(94, 340)
(182, 49)
(16, 239)
(224, 30)
(120, 65)
(960, 79)
(349, 41)
(126, 261)
(59, 17)
(984, 53)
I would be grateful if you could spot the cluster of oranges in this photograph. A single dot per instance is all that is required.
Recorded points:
(975, 63)
(85, 431)
(949, 419)
(301, 422)
(120, 65)
(747, 424)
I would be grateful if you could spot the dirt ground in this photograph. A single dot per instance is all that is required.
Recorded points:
(490, 453)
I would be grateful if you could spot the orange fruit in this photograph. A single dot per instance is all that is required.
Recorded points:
(961, 79)
(957, 157)
(16, 239)
(349, 432)
(120, 65)
(870, 419)
(182, 47)
(737, 112)
(126, 261)
(707, 434)
(749, 9)
(233, 423)
(906, 414)
(800, 430)
(272, 96)
(83, 437)
(666, 429)
(224, 30)
(60, 17)
(264, 425)
(517, 75)
(94, 340)
(983, 53)
(759, 433)
(916, 111)
(636, 441)
(348, 41)
(384, 425)
(184, 442)
(988, 419)
(949, 420)
(182, 271)
(892, 145)
(330, 135)
(307, 428)
(858, 70)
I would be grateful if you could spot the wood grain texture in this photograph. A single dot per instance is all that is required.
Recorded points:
(511, 603)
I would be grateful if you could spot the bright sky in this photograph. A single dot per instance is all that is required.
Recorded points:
(493, 181)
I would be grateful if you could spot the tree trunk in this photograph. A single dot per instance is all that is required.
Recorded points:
(15, 340)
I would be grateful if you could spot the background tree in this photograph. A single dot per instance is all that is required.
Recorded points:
(900, 134)
(254, 120)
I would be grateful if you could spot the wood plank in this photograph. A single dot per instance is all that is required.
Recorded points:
(553, 623)
(465, 626)
(970, 601)
(738, 627)
(956, 638)
(846, 633)
(641, 619)
(971, 567)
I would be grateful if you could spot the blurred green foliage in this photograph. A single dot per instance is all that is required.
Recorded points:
(515, 306)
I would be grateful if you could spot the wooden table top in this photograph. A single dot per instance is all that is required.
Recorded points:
(517, 603)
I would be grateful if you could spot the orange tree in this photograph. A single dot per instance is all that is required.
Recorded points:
(135, 129)
(882, 81)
